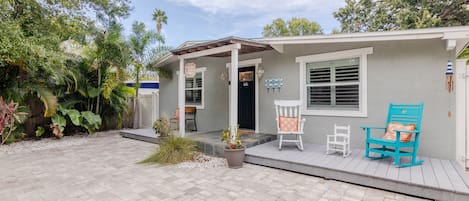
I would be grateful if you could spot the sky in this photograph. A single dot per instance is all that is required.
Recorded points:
(213, 19)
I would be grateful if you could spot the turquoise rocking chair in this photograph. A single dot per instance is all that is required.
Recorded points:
(398, 113)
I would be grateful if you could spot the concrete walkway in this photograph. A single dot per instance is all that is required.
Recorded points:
(104, 168)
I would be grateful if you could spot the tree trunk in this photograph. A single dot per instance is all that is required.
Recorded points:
(136, 102)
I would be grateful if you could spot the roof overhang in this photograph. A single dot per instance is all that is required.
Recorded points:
(456, 38)
(247, 46)
(413, 34)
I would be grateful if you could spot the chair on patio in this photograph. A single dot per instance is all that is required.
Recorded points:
(191, 115)
(402, 131)
(339, 141)
(289, 121)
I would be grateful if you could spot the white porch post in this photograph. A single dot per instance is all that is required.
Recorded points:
(234, 92)
(182, 98)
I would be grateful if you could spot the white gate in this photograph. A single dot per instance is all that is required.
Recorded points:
(462, 112)
(148, 109)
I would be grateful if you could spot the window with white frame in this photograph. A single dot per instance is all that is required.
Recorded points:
(194, 89)
(334, 84)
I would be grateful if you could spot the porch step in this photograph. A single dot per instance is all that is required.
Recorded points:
(211, 144)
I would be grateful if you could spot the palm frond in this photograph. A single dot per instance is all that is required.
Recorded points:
(48, 99)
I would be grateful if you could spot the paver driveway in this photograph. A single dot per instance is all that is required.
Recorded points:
(104, 168)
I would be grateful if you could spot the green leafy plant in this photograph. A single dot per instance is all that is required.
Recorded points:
(86, 119)
(232, 142)
(173, 150)
(162, 126)
(58, 125)
(91, 121)
(40, 131)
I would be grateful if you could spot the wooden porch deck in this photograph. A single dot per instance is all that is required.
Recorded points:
(437, 179)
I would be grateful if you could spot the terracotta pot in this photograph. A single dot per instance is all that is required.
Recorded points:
(234, 157)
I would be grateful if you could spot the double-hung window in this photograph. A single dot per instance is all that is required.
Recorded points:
(334, 84)
(194, 89)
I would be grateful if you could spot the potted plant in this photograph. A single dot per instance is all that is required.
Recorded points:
(162, 127)
(234, 149)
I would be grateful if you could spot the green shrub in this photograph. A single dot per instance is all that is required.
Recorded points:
(173, 150)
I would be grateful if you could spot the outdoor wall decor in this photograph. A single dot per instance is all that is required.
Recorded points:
(449, 77)
(190, 70)
(449, 83)
(273, 83)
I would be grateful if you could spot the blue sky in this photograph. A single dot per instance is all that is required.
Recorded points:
(213, 19)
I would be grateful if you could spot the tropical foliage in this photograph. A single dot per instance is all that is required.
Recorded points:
(370, 15)
(292, 27)
(54, 55)
(10, 116)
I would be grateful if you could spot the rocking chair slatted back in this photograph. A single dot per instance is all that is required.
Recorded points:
(288, 108)
(406, 114)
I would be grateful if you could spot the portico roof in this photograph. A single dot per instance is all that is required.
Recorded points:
(247, 46)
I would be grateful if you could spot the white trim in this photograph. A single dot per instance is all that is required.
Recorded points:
(362, 54)
(181, 98)
(279, 47)
(233, 104)
(255, 63)
(461, 151)
(202, 104)
(444, 33)
(247, 63)
(216, 50)
(335, 55)
(450, 45)
(412, 34)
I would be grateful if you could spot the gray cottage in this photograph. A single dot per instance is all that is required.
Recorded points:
(348, 79)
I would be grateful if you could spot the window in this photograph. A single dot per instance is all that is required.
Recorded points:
(334, 84)
(194, 89)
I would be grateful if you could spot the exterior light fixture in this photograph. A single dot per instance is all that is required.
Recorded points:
(260, 72)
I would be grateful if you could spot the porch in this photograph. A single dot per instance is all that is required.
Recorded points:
(437, 179)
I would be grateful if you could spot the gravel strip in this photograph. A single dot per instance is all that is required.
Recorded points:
(203, 162)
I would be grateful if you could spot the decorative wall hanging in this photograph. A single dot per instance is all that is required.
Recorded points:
(449, 77)
(190, 70)
(273, 83)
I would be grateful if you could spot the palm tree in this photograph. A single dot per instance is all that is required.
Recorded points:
(160, 18)
(139, 41)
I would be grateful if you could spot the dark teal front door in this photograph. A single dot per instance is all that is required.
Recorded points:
(246, 98)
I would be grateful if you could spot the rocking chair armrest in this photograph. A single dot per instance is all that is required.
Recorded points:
(372, 127)
(406, 131)
(302, 124)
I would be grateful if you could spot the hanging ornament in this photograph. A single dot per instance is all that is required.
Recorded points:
(449, 77)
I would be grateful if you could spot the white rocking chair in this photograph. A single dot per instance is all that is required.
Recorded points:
(289, 121)
(339, 141)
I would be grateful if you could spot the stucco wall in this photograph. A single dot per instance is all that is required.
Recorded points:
(214, 116)
(398, 71)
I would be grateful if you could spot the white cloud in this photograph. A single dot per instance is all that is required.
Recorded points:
(243, 7)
